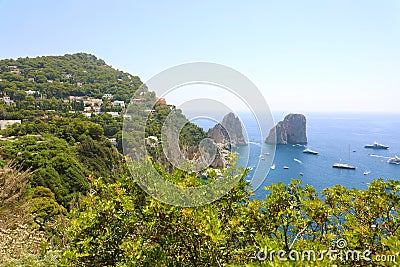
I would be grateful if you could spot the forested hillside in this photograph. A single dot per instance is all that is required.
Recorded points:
(61, 76)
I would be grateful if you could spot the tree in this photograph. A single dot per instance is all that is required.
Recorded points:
(44, 206)
(19, 95)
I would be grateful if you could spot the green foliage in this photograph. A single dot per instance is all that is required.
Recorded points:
(119, 225)
(44, 207)
(49, 259)
(62, 153)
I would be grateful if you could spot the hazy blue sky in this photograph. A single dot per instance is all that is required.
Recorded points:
(303, 55)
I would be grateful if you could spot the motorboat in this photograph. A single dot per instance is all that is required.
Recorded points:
(394, 160)
(309, 151)
(376, 145)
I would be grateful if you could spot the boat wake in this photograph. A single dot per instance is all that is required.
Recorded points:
(254, 143)
(298, 161)
(377, 156)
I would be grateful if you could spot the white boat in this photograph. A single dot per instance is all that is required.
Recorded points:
(366, 172)
(297, 160)
(262, 158)
(266, 153)
(286, 167)
(273, 167)
(394, 160)
(376, 145)
(344, 165)
(309, 151)
(301, 174)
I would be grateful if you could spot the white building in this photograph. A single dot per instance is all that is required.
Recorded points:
(7, 100)
(114, 114)
(118, 103)
(31, 92)
(96, 109)
(108, 96)
(113, 141)
(5, 123)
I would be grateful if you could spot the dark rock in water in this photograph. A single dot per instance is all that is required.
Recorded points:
(227, 134)
(229, 131)
(292, 130)
(235, 129)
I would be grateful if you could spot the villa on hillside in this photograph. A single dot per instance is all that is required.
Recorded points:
(108, 96)
(5, 123)
(31, 92)
(7, 100)
(118, 103)
(88, 101)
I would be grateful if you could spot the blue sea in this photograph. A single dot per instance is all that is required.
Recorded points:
(338, 137)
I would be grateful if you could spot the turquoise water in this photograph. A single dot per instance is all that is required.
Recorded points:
(330, 135)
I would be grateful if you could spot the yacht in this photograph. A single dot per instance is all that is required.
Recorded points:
(366, 172)
(309, 151)
(343, 166)
(394, 160)
(376, 145)
(285, 167)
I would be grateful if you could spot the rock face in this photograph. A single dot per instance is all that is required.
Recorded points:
(292, 130)
(220, 136)
(226, 135)
(235, 129)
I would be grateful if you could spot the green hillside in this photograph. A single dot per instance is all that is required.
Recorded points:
(61, 76)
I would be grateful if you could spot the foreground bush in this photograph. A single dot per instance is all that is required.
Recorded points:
(119, 225)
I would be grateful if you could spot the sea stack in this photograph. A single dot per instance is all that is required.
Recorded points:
(292, 130)
(229, 131)
(227, 134)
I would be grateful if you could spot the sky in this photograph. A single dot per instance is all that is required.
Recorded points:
(317, 55)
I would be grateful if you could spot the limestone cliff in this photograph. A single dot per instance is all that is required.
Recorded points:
(292, 130)
(235, 130)
(221, 138)
(227, 134)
